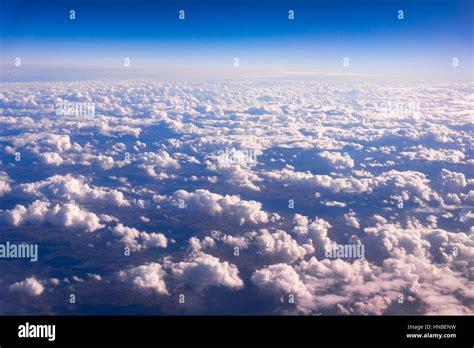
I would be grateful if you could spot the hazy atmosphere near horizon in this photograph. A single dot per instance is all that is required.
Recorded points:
(236, 157)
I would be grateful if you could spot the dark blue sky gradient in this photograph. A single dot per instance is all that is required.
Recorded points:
(432, 32)
(233, 19)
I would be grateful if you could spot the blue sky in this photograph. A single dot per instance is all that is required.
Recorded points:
(258, 32)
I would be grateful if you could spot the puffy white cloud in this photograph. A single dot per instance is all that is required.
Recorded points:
(60, 142)
(203, 270)
(110, 126)
(156, 161)
(385, 238)
(148, 276)
(104, 162)
(196, 244)
(236, 167)
(4, 183)
(412, 182)
(43, 142)
(30, 286)
(229, 207)
(236, 241)
(314, 232)
(336, 185)
(453, 179)
(238, 176)
(338, 160)
(263, 109)
(69, 188)
(333, 204)
(138, 240)
(279, 246)
(422, 153)
(282, 280)
(65, 215)
(51, 158)
(351, 220)
(415, 183)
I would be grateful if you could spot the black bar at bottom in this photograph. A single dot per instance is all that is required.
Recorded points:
(287, 330)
